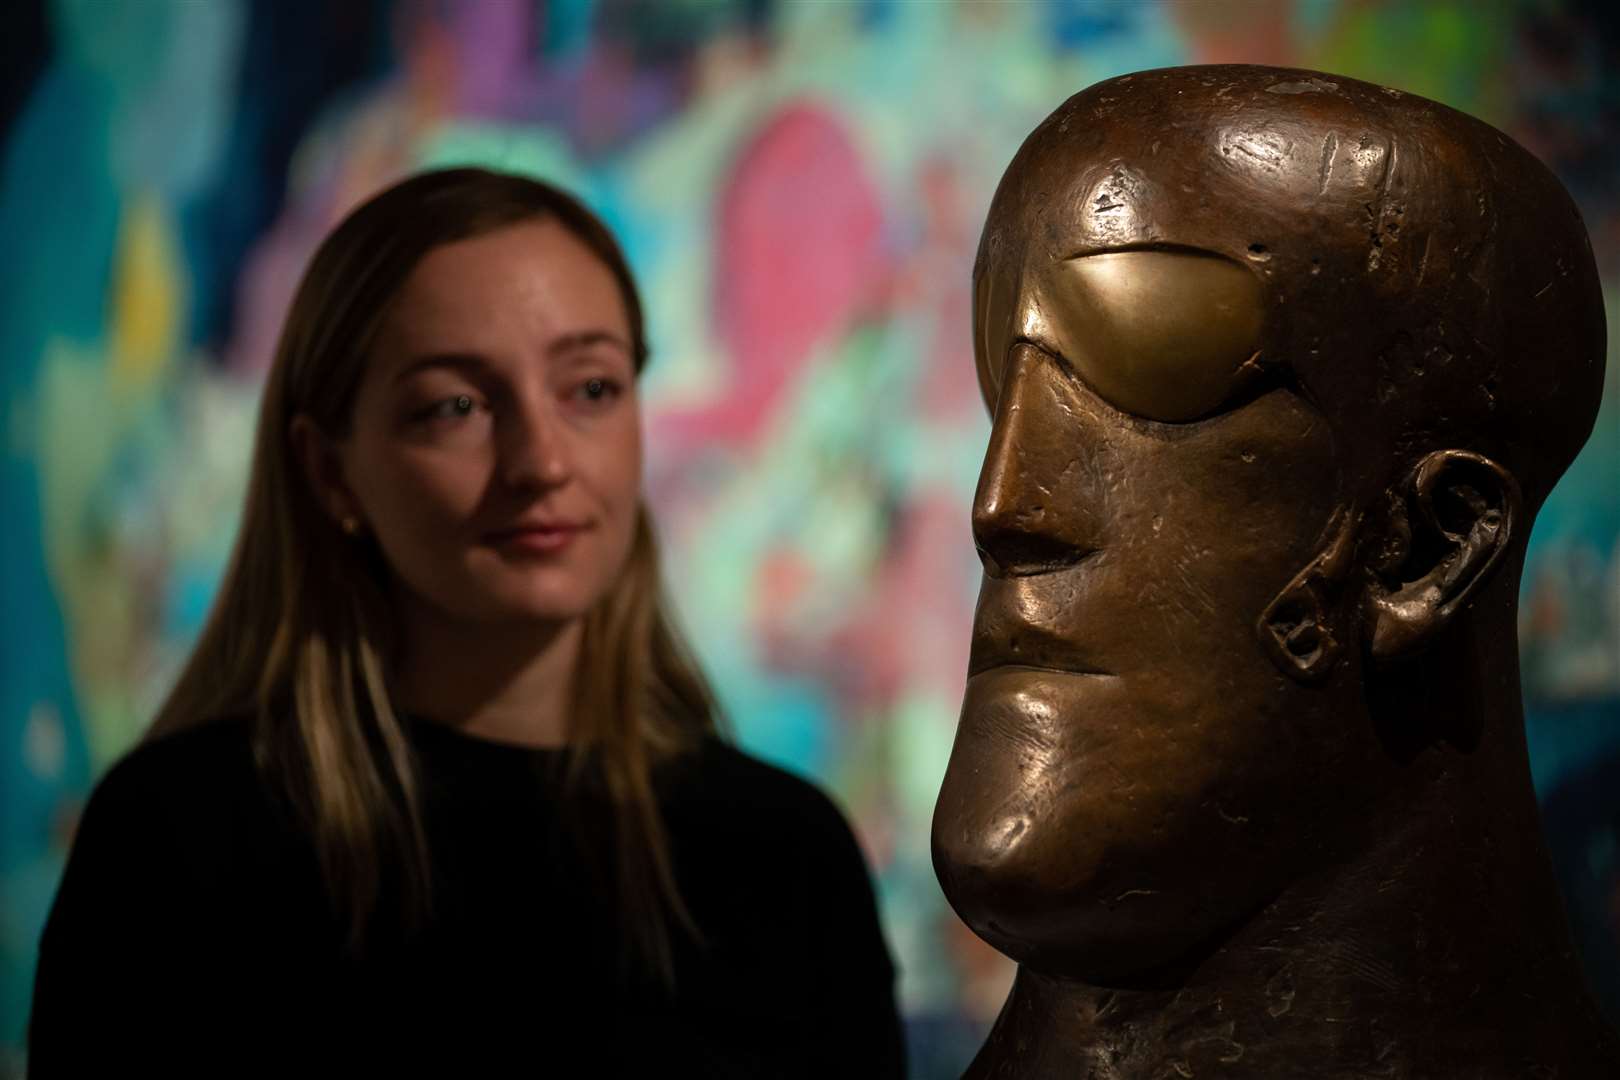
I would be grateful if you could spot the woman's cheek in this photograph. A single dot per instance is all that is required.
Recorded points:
(439, 483)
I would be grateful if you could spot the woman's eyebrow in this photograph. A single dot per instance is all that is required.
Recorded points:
(584, 339)
(459, 361)
(475, 364)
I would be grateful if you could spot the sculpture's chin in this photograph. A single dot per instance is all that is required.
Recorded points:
(991, 892)
(1006, 897)
(1039, 853)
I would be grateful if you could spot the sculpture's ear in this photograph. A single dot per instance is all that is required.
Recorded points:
(1296, 629)
(1449, 523)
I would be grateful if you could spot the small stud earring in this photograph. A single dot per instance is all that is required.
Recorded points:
(351, 525)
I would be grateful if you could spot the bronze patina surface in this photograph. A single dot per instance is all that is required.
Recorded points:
(1281, 366)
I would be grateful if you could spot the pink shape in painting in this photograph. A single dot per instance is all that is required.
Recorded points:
(798, 252)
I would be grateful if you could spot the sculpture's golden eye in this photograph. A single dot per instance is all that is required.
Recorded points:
(995, 298)
(1164, 335)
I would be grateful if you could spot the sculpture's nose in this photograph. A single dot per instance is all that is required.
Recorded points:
(1025, 516)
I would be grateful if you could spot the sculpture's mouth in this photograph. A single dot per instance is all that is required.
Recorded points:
(999, 642)
(1038, 669)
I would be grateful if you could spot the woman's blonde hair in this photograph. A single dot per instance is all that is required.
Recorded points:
(301, 635)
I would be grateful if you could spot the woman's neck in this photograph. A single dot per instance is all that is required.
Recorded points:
(508, 682)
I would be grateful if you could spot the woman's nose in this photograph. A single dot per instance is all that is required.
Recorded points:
(1028, 516)
(534, 448)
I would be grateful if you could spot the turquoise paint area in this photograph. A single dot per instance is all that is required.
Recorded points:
(1567, 737)
(786, 724)
(58, 206)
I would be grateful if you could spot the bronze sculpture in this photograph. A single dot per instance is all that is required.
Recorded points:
(1281, 366)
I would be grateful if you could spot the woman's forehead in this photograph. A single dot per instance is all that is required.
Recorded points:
(533, 282)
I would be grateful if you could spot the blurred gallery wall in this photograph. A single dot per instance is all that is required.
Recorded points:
(800, 188)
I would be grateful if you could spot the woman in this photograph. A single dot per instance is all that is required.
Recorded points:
(439, 785)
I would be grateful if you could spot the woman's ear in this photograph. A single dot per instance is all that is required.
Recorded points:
(1449, 522)
(318, 457)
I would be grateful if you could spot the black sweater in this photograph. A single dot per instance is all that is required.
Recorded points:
(191, 932)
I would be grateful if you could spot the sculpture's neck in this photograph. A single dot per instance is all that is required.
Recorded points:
(1438, 948)
(1365, 978)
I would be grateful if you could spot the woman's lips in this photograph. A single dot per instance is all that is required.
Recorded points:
(535, 539)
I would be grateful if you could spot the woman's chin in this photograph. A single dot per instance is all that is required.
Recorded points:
(507, 607)
(539, 612)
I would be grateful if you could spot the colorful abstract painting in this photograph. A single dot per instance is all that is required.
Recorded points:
(799, 187)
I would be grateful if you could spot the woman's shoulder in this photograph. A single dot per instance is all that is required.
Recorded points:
(721, 769)
(176, 888)
(720, 780)
(180, 818)
(195, 786)
(215, 753)
(771, 862)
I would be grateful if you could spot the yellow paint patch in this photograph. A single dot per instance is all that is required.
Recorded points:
(147, 286)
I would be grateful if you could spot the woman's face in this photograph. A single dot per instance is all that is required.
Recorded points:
(495, 449)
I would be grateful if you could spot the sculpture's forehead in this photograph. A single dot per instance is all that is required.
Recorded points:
(1238, 181)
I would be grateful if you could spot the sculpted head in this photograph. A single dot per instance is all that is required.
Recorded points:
(1280, 366)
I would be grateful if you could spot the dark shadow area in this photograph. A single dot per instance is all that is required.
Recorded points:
(24, 49)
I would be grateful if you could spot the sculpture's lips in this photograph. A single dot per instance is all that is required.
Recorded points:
(1000, 643)
(1017, 666)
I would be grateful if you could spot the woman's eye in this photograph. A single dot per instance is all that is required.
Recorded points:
(597, 390)
(451, 408)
